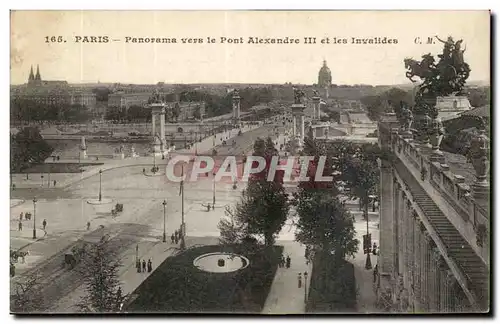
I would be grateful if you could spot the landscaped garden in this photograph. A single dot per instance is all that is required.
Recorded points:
(178, 286)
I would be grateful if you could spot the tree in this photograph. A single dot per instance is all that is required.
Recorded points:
(324, 224)
(479, 96)
(28, 147)
(361, 174)
(115, 113)
(386, 102)
(263, 208)
(99, 270)
(27, 296)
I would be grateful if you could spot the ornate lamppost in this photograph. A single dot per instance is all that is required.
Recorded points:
(164, 220)
(213, 202)
(100, 185)
(34, 217)
(305, 287)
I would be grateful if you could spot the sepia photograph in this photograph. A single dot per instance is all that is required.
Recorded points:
(257, 162)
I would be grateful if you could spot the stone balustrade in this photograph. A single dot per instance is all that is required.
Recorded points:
(453, 186)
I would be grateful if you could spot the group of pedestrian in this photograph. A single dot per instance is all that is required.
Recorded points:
(285, 262)
(28, 217)
(143, 266)
(175, 237)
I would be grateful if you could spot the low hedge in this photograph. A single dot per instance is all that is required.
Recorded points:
(332, 287)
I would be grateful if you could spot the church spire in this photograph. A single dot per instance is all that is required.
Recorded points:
(31, 77)
(37, 76)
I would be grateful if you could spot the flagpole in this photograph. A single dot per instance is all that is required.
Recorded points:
(183, 225)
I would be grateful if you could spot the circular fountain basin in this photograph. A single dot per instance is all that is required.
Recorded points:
(220, 262)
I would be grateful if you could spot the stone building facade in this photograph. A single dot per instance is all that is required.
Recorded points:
(434, 229)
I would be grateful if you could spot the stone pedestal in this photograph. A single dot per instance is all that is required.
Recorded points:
(317, 112)
(158, 111)
(236, 108)
(298, 114)
(83, 154)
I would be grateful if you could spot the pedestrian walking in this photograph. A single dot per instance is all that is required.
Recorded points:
(150, 265)
(144, 170)
(21, 216)
(374, 249)
(299, 280)
(88, 226)
(44, 224)
(143, 265)
(176, 240)
(55, 182)
(176, 234)
(20, 227)
(172, 238)
(288, 261)
(375, 273)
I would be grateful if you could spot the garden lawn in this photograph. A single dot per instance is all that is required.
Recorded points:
(177, 286)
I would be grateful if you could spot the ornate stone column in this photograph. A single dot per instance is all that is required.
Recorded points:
(316, 104)
(418, 260)
(162, 129)
(434, 285)
(426, 270)
(396, 226)
(153, 121)
(411, 251)
(302, 128)
(294, 129)
(443, 269)
(451, 286)
(387, 186)
(401, 231)
(236, 106)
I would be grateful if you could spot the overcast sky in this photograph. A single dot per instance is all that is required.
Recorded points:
(118, 61)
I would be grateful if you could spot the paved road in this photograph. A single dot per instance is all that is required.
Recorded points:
(142, 219)
(243, 144)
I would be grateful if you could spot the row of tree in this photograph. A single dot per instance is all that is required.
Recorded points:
(390, 100)
(25, 109)
(27, 147)
(324, 225)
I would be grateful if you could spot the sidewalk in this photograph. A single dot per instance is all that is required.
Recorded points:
(366, 298)
(285, 297)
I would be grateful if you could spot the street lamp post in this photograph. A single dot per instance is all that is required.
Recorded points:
(183, 225)
(34, 218)
(213, 202)
(305, 287)
(368, 264)
(154, 162)
(164, 221)
(100, 185)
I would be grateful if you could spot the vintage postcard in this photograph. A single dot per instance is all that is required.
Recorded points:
(255, 162)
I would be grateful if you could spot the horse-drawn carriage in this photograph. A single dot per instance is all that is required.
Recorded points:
(74, 256)
(118, 209)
